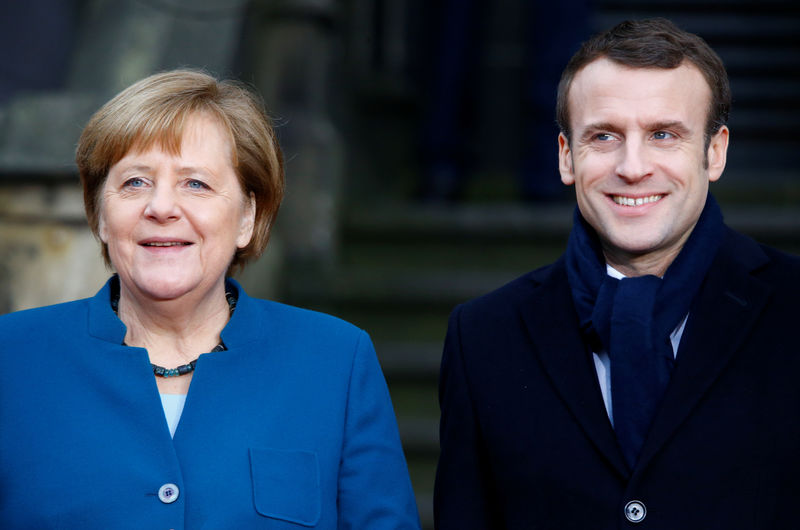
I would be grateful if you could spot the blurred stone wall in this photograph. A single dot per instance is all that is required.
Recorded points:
(47, 253)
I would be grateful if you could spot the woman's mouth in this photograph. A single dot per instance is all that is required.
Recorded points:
(165, 243)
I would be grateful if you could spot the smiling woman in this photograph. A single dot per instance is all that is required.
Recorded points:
(171, 223)
(285, 421)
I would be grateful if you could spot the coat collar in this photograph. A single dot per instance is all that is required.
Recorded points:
(103, 322)
(240, 329)
(567, 360)
(245, 325)
(721, 317)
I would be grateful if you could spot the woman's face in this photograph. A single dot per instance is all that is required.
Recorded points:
(172, 223)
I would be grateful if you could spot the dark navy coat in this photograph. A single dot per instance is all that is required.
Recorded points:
(526, 442)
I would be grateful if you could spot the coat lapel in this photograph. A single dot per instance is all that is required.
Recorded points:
(566, 360)
(721, 317)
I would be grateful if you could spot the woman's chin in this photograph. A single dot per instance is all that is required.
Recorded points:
(163, 287)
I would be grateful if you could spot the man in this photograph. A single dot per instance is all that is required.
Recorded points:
(649, 377)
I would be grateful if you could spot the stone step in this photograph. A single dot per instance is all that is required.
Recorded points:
(763, 123)
(410, 360)
(745, 7)
(548, 225)
(764, 25)
(781, 92)
(762, 64)
(421, 465)
(420, 435)
(367, 287)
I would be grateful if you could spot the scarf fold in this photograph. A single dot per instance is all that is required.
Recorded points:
(632, 318)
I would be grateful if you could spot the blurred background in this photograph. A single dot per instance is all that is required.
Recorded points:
(419, 138)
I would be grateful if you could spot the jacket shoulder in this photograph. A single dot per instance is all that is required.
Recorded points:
(298, 318)
(516, 292)
(783, 261)
(767, 263)
(30, 323)
(303, 331)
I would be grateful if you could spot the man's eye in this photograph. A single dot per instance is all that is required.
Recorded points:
(603, 137)
(662, 135)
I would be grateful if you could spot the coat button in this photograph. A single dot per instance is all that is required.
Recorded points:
(635, 511)
(168, 493)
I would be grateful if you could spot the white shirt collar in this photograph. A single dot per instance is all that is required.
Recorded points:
(614, 273)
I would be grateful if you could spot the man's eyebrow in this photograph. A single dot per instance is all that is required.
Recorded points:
(594, 128)
(674, 125)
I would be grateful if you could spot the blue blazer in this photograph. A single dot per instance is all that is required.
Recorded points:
(291, 427)
(527, 444)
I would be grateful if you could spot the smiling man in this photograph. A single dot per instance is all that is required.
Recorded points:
(648, 377)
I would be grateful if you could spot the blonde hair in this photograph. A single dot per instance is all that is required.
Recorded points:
(155, 110)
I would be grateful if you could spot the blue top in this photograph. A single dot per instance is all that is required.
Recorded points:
(173, 408)
(291, 427)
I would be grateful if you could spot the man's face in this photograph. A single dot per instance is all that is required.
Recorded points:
(637, 159)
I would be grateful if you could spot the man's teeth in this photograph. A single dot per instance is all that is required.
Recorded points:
(165, 244)
(638, 201)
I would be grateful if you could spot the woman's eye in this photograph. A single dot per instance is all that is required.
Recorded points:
(197, 185)
(134, 182)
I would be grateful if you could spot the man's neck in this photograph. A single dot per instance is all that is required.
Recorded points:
(655, 263)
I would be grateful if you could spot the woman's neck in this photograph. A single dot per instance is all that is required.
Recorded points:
(174, 331)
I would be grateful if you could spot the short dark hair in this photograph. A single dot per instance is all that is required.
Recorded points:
(651, 43)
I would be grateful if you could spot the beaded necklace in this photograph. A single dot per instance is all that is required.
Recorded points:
(183, 369)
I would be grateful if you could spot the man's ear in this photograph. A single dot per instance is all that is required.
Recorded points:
(565, 160)
(717, 153)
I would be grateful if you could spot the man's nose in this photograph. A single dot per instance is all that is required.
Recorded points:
(635, 161)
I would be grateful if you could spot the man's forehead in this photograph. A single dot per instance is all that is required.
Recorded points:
(601, 69)
(606, 80)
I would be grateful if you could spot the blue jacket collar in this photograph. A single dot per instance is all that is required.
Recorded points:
(243, 327)
(105, 325)
(103, 322)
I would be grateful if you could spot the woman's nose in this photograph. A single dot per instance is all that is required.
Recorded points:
(163, 204)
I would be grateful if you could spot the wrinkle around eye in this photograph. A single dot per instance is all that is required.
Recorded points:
(134, 182)
(664, 135)
(600, 140)
(196, 184)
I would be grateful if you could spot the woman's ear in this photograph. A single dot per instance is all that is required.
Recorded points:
(248, 222)
(102, 231)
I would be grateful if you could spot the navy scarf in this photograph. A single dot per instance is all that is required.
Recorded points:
(632, 319)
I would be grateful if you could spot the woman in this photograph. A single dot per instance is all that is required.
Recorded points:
(286, 423)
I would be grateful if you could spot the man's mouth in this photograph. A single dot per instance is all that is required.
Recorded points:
(635, 201)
